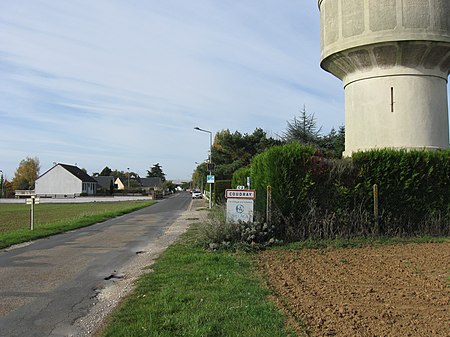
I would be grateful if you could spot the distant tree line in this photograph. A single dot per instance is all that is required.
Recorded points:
(234, 150)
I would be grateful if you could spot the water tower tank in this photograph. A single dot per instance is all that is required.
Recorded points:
(393, 57)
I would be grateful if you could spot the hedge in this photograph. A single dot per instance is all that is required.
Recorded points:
(288, 170)
(240, 177)
(412, 184)
(219, 191)
(414, 187)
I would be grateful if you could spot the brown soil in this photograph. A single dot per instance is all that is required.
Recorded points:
(394, 290)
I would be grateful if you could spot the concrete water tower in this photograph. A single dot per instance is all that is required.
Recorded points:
(393, 57)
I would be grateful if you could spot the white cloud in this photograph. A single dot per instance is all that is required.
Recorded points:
(123, 83)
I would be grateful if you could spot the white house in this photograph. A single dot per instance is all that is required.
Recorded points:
(64, 180)
(121, 183)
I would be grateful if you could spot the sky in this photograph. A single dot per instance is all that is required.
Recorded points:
(123, 83)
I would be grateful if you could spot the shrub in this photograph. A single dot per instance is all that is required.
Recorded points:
(217, 233)
(317, 197)
(259, 181)
(288, 170)
(219, 190)
(240, 177)
(321, 198)
(412, 184)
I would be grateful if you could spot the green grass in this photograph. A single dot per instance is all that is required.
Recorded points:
(51, 219)
(194, 292)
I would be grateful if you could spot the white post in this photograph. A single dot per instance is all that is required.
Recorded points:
(32, 213)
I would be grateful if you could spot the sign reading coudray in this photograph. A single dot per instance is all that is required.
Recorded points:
(240, 205)
(240, 194)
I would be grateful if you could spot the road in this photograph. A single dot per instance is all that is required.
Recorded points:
(49, 284)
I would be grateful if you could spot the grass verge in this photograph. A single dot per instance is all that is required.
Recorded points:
(57, 218)
(194, 292)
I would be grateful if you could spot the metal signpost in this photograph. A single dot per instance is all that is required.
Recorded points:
(210, 180)
(240, 204)
(32, 201)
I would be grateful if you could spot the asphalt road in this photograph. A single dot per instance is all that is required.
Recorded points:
(48, 284)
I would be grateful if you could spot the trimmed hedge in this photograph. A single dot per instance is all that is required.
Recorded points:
(412, 184)
(414, 190)
(219, 191)
(240, 177)
(288, 170)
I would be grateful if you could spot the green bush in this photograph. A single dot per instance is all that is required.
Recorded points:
(240, 177)
(414, 192)
(335, 189)
(288, 170)
(219, 190)
(412, 184)
(259, 181)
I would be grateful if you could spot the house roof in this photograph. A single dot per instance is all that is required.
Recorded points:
(104, 181)
(79, 173)
(143, 182)
(151, 182)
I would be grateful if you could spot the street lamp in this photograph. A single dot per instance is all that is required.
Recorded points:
(128, 181)
(1, 183)
(209, 160)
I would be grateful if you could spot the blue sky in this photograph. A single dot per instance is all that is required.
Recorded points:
(123, 83)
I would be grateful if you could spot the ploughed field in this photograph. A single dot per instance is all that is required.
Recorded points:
(388, 290)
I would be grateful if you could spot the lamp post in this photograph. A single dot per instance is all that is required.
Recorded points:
(209, 160)
(128, 180)
(1, 183)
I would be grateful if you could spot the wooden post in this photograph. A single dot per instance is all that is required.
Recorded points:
(32, 213)
(269, 205)
(375, 208)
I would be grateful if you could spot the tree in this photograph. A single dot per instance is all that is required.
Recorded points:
(303, 129)
(199, 177)
(117, 174)
(8, 189)
(111, 187)
(26, 174)
(168, 185)
(186, 185)
(106, 172)
(334, 142)
(232, 151)
(156, 171)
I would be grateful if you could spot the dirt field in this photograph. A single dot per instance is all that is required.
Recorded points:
(395, 290)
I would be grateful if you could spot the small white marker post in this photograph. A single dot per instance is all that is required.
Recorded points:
(32, 201)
